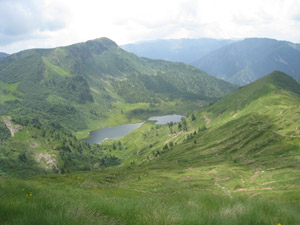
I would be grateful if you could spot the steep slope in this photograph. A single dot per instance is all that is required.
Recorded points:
(245, 61)
(2, 54)
(251, 124)
(247, 144)
(33, 147)
(83, 83)
(176, 50)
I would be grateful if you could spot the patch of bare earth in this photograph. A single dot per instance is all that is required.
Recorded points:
(47, 160)
(34, 145)
(12, 127)
(207, 120)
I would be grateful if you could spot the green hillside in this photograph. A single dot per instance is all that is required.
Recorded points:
(53, 97)
(234, 162)
(31, 147)
(250, 119)
(86, 86)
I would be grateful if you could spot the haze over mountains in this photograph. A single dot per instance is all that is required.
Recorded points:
(239, 62)
(246, 61)
(2, 54)
(176, 50)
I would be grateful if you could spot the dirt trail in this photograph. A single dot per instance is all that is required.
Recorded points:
(173, 136)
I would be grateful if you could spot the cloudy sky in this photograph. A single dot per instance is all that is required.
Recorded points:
(49, 23)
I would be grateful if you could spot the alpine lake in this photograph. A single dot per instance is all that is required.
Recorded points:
(98, 136)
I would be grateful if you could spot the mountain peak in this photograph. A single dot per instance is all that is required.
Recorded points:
(281, 81)
(273, 83)
(103, 41)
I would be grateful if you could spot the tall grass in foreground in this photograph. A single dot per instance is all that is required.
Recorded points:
(54, 203)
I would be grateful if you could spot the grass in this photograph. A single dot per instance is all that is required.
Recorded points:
(9, 92)
(140, 196)
(236, 162)
(52, 69)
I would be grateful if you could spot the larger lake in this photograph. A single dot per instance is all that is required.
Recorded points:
(96, 137)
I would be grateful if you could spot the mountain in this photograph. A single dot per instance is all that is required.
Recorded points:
(245, 61)
(245, 147)
(47, 96)
(2, 54)
(247, 125)
(85, 83)
(176, 50)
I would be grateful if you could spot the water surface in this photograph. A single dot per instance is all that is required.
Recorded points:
(96, 137)
(166, 119)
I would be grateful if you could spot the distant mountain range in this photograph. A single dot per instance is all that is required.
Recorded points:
(3, 54)
(176, 50)
(239, 62)
(245, 61)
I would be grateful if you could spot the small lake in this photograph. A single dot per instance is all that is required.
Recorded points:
(166, 119)
(96, 137)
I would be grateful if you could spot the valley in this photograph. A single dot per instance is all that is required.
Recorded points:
(232, 159)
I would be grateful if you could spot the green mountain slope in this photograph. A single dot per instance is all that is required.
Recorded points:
(250, 120)
(234, 162)
(245, 61)
(54, 94)
(84, 84)
(31, 147)
(176, 50)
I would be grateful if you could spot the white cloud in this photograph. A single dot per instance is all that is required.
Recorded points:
(50, 23)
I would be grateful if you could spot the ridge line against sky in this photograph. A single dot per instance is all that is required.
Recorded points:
(50, 23)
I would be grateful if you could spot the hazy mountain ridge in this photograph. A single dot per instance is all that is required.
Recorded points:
(3, 54)
(245, 61)
(176, 50)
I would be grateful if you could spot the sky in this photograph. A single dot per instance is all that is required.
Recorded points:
(28, 24)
